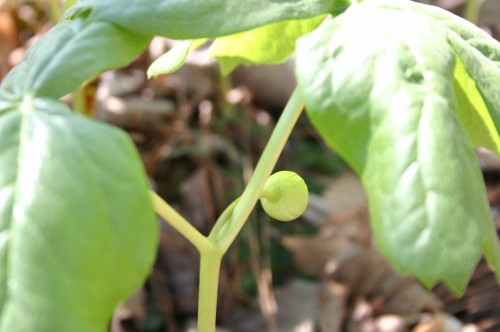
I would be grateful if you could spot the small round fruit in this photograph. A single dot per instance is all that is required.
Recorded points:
(285, 196)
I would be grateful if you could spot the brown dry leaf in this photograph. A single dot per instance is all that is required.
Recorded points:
(332, 306)
(391, 323)
(8, 38)
(131, 314)
(197, 204)
(438, 323)
(297, 310)
(488, 160)
(178, 262)
(345, 195)
(455, 6)
(311, 254)
(8, 30)
(481, 302)
(341, 254)
(270, 85)
(297, 306)
(489, 13)
(178, 259)
(369, 275)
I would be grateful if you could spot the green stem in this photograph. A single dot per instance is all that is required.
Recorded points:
(210, 261)
(209, 283)
(262, 171)
(55, 10)
(272, 194)
(79, 104)
(471, 12)
(232, 219)
(202, 243)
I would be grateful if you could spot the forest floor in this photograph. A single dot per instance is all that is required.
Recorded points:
(199, 135)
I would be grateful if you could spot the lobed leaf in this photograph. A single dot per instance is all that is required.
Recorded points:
(77, 230)
(482, 81)
(480, 55)
(379, 86)
(473, 112)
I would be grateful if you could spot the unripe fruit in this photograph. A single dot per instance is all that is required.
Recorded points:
(285, 196)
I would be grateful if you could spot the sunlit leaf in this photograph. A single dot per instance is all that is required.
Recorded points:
(269, 44)
(77, 230)
(379, 87)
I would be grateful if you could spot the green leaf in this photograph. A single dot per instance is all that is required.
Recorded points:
(174, 58)
(379, 87)
(12, 86)
(479, 54)
(192, 19)
(68, 4)
(270, 44)
(72, 52)
(473, 112)
(481, 80)
(77, 230)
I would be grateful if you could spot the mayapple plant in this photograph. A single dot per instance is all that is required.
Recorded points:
(402, 91)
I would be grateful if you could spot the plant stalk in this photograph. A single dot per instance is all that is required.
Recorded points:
(272, 194)
(471, 12)
(202, 243)
(229, 224)
(79, 102)
(209, 284)
(262, 171)
(55, 10)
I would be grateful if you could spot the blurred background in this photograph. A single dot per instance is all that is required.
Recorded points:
(200, 134)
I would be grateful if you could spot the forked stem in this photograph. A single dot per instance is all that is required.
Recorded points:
(210, 260)
(164, 210)
(229, 224)
(263, 170)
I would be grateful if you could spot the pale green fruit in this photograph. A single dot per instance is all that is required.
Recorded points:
(285, 196)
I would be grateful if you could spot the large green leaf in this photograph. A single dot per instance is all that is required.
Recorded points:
(273, 43)
(72, 52)
(77, 230)
(479, 78)
(12, 86)
(191, 19)
(379, 87)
